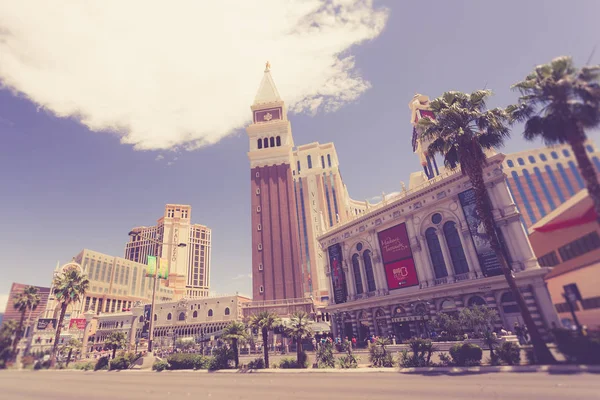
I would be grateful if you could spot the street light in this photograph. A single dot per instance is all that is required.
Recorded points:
(151, 323)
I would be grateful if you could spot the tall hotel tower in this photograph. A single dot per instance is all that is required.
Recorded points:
(189, 267)
(297, 194)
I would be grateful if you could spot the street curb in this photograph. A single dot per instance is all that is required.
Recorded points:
(505, 368)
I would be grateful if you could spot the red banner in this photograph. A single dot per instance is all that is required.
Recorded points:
(394, 244)
(77, 323)
(401, 274)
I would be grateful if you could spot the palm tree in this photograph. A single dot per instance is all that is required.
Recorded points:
(299, 328)
(234, 333)
(72, 345)
(265, 321)
(68, 288)
(463, 129)
(7, 330)
(114, 341)
(28, 300)
(558, 104)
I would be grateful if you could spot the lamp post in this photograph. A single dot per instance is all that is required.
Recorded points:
(156, 278)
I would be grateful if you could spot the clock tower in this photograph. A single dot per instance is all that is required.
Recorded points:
(276, 272)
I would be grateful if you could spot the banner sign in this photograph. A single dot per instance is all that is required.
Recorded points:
(401, 274)
(415, 318)
(151, 268)
(163, 268)
(394, 244)
(490, 266)
(146, 327)
(77, 324)
(396, 254)
(46, 324)
(338, 279)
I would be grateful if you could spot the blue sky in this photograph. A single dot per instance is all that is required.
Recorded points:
(65, 187)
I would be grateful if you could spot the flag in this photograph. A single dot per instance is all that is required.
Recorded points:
(151, 269)
(163, 268)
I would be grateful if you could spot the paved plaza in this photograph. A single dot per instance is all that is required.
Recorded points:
(75, 385)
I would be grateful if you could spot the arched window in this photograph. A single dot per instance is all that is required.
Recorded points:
(272, 142)
(309, 161)
(509, 304)
(195, 314)
(435, 251)
(323, 162)
(457, 254)
(566, 153)
(554, 155)
(369, 271)
(278, 141)
(227, 312)
(260, 143)
(181, 316)
(141, 318)
(509, 163)
(356, 270)
(532, 159)
(298, 166)
(266, 143)
(476, 301)
(543, 157)
(155, 317)
(169, 316)
(589, 148)
(448, 305)
(520, 161)
(210, 312)
(329, 160)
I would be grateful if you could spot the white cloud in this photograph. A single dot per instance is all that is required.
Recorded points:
(242, 276)
(181, 75)
(3, 302)
(159, 157)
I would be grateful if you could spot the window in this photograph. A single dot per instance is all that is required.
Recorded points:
(298, 166)
(323, 162)
(309, 161)
(258, 227)
(257, 190)
(543, 157)
(549, 260)
(260, 246)
(260, 267)
(577, 174)
(227, 311)
(589, 148)
(169, 316)
(278, 141)
(272, 141)
(257, 174)
(266, 143)
(564, 307)
(532, 159)
(457, 254)
(510, 163)
(509, 304)
(447, 305)
(257, 209)
(329, 160)
(436, 218)
(554, 155)
(581, 246)
(476, 301)
(260, 143)
(181, 316)
(356, 271)
(369, 271)
(520, 161)
(566, 153)
(435, 252)
(210, 312)
(261, 289)
(591, 303)
(542, 183)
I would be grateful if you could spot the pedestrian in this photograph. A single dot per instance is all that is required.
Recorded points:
(353, 342)
(519, 333)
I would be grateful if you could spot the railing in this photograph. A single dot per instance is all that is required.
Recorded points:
(441, 281)
(268, 303)
(462, 277)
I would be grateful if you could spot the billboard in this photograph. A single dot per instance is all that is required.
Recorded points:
(401, 274)
(490, 266)
(77, 324)
(46, 324)
(151, 266)
(400, 270)
(146, 327)
(338, 279)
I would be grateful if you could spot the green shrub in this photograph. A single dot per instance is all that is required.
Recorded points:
(380, 357)
(445, 359)
(87, 366)
(324, 356)
(466, 354)
(188, 361)
(288, 363)
(348, 361)
(160, 365)
(303, 360)
(222, 359)
(421, 353)
(102, 363)
(509, 353)
(119, 362)
(577, 349)
(258, 363)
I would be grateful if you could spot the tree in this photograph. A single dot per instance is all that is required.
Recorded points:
(447, 323)
(23, 302)
(68, 288)
(114, 341)
(478, 318)
(265, 321)
(234, 333)
(299, 328)
(7, 330)
(73, 345)
(558, 104)
(463, 129)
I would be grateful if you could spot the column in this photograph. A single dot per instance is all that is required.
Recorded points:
(422, 263)
(137, 312)
(446, 254)
(89, 316)
(544, 304)
(525, 255)
(512, 246)
(379, 271)
(363, 273)
(490, 301)
(350, 283)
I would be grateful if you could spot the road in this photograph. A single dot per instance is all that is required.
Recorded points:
(77, 385)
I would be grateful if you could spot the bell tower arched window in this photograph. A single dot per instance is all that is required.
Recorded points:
(357, 277)
(369, 271)
(266, 143)
(435, 251)
(309, 161)
(272, 140)
(457, 254)
(278, 141)
(260, 143)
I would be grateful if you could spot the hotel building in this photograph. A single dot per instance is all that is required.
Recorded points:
(189, 266)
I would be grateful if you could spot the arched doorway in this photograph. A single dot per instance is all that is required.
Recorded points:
(400, 325)
(511, 311)
(363, 329)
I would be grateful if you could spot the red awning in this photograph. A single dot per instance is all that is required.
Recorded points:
(587, 217)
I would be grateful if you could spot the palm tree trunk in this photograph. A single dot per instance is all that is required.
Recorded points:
(298, 349)
(484, 209)
(265, 336)
(69, 356)
(588, 172)
(236, 353)
(18, 335)
(114, 352)
(63, 310)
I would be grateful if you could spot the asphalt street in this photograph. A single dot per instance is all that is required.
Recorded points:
(77, 385)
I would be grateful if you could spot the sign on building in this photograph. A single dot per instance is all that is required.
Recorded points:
(338, 278)
(46, 324)
(396, 254)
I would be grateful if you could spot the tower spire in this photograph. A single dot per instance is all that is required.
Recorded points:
(267, 91)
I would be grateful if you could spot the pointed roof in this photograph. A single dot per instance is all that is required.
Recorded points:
(267, 92)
